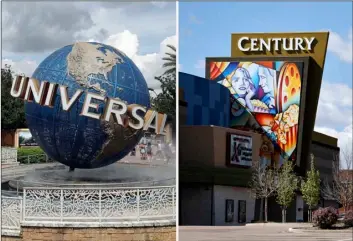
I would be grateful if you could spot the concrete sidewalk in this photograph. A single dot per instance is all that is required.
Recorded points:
(257, 232)
(313, 230)
(274, 224)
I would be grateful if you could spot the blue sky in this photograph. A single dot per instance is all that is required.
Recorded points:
(205, 31)
(205, 28)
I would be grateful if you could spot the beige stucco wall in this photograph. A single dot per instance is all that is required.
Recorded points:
(207, 145)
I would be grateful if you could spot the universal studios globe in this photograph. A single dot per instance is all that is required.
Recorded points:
(79, 141)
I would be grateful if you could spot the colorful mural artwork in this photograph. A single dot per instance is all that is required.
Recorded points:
(265, 94)
(270, 154)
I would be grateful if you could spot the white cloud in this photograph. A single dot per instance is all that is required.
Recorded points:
(340, 46)
(334, 111)
(135, 28)
(150, 64)
(159, 4)
(147, 21)
(59, 23)
(25, 67)
(151, 21)
(200, 64)
(124, 41)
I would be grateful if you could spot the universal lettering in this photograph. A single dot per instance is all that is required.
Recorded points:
(43, 93)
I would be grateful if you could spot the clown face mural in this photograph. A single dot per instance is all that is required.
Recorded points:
(265, 92)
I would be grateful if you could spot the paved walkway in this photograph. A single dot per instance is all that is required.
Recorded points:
(278, 232)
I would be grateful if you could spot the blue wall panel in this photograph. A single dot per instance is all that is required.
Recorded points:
(208, 102)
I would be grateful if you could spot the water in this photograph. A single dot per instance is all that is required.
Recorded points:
(118, 174)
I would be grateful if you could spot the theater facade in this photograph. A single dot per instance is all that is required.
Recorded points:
(259, 104)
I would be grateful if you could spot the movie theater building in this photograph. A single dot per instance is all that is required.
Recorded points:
(221, 136)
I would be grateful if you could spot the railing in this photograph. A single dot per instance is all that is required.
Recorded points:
(8, 161)
(11, 212)
(34, 158)
(8, 155)
(99, 205)
(88, 206)
(10, 193)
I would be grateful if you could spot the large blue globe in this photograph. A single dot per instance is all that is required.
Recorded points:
(75, 140)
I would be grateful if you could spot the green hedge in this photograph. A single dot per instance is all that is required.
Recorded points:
(28, 155)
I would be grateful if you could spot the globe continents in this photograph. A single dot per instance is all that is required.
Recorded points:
(76, 140)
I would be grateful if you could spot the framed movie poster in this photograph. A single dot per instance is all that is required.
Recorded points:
(229, 210)
(239, 151)
(241, 211)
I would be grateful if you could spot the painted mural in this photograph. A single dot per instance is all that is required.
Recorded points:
(264, 95)
(270, 154)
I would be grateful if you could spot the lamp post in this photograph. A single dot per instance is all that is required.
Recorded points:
(151, 89)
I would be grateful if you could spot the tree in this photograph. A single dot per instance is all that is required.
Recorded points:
(287, 184)
(12, 109)
(263, 182)
(170, 61)
(341, 188)
(165, 102)
(310, 188)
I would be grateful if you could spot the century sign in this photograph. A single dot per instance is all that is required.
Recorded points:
(270, 44)
(43, 93)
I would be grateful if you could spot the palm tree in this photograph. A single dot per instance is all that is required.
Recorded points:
(165, 101)
(170, 61)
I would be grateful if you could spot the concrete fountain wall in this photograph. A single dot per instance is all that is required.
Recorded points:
(163, 233)
(8, 157)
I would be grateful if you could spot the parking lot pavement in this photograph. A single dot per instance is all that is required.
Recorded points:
(253, 233)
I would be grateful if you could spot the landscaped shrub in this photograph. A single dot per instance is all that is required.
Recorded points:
(30, 155)
(325, 217)
(348, 219)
